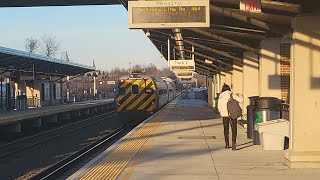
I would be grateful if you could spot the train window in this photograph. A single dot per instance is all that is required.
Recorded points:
(161, 92)
(135, 89)
(122, 91)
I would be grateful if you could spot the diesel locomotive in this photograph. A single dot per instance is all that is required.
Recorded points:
(138, 94)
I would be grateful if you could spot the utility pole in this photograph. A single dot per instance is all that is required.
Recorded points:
(94, 82)
(68, 88)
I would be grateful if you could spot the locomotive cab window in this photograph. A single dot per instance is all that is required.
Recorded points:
(135, 89)
(122, 91)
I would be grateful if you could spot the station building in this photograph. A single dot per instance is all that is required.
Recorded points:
(30, 80)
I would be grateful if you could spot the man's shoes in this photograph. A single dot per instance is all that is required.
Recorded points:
(227, 146)
(234, 147)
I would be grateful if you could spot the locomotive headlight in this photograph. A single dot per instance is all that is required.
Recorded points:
(149, 90)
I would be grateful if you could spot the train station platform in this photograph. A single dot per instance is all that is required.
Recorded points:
(53, 113)
(185, 141)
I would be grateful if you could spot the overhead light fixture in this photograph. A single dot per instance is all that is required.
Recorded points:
(148, 33)
(208, 61)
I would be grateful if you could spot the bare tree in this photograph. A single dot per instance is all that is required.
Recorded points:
(32, 44)
(50, 45)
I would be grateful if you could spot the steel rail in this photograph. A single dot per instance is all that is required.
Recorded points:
(59, 135)
(60, 167)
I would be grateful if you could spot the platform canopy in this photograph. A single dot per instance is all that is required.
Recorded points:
(12, 60)
(232, 32)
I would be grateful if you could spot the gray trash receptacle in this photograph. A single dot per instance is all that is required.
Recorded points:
(250, 121)
(266, 109)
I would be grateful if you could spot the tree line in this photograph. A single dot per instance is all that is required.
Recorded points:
(46, 45)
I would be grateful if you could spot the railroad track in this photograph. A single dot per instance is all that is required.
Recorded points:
(19, 145)
(63, 166)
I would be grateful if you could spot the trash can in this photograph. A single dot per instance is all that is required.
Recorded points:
(272, 134)
(216, 101)
(265, 109)
(250, 122)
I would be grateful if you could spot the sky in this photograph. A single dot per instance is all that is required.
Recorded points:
(85, 32)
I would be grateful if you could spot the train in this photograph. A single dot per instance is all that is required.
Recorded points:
(139, 95)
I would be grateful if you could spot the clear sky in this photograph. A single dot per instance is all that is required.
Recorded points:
(86, 32)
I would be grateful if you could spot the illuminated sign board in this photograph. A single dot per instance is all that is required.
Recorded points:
(111, 82)
(251, 5)
(27, 78)
(182, 65)
(169, 14)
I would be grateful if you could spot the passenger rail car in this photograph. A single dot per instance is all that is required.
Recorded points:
(138, 94)
(171, 88)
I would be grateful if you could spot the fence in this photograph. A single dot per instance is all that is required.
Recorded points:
(33, 102)
(189, 94)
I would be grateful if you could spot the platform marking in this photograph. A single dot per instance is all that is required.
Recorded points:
(97, 172)
(146, 147)
(112, 166)
(116, 161)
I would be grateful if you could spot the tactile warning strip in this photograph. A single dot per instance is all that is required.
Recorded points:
(116, 161)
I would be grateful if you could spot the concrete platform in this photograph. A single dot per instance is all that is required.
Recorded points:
(20, 115)
(187, 143)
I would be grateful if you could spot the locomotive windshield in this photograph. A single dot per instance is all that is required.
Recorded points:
(122, 91)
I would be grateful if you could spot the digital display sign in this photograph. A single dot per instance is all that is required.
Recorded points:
(186, 14)
(169, 14)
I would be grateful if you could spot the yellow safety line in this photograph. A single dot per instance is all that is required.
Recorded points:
(146, 147)
(123, 163)
(121, 160)
(120, 163)
(117, 160)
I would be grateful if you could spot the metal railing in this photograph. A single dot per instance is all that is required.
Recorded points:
(195, 95)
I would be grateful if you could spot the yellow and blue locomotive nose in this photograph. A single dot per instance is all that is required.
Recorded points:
(136, 95)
